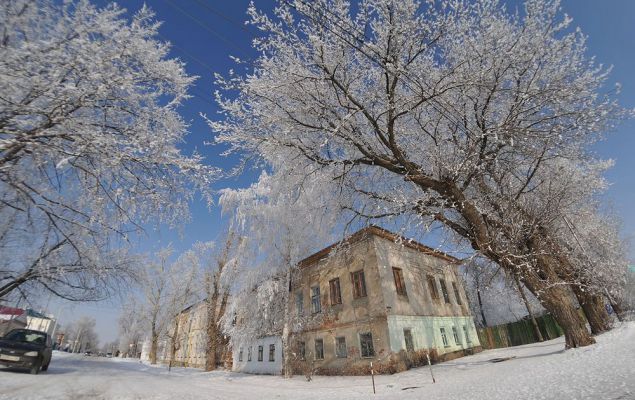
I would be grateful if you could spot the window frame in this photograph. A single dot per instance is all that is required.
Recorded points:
(260, 353)
(299, 302)
(302, 350)
(272, 352)
(240, 355)
(444, 291)
(248, 353)
(457, 339)
(457, 295)
(466, 333)
(338, 348)
(316, 302)
(359, 284)
(400, 281)
(335, 291)
(432, 286)
(405, 337)
(444, 337)
(362, 341)
(315, 345)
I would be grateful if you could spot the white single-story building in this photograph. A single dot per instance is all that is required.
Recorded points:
(261, 356)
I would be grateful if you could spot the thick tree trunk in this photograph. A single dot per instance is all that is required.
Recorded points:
(480, 306)
(154, 346)
(594, 310)
(212, 346)
(557, 299)
(534, 323)
(174, 345)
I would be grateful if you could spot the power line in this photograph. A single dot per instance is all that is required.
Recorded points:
(205, 26)
(224, 16)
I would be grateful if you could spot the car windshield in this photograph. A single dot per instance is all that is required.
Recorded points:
(26, 336)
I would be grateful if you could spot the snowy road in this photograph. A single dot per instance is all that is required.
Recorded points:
(540, 371)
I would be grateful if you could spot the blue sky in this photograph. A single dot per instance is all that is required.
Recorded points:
(204, 33)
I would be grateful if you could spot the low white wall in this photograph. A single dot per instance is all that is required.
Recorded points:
(259, 367)
(426, 332)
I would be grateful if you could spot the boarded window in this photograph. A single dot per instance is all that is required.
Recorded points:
(455, 333)
(444, 337)
(407, 334)
(259, 353)
(359, 284)
(366, 344)
(315, 299)
(319, 349)
(457, 296)
(400, 284)
(240, 354)
(336, 294)
(432, 286)
(444, 290)
(249, 353)
(272, 352)
(340, 347)
(299, 303)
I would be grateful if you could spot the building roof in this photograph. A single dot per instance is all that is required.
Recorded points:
(380, 232)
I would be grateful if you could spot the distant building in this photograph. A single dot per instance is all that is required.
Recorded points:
(379, 298)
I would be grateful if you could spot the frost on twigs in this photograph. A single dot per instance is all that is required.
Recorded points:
(89, 135)
(455, 113)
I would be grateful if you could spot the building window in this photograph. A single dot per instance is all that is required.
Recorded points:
(432, 286)
(299, 303)
(359, 284)
(407, 334)
(444, 290)
(455, 333)
(444, 337)
(302, 350)
(240, 354)
(336, 293)
(400, 284)
(272, 352)
(340, 347)
(366, 344)
(249, 353)
(467, 335)
(319, 349)
(315, 299)
(456, 293)
(259, 353)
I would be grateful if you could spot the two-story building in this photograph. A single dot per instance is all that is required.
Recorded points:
(377, 295)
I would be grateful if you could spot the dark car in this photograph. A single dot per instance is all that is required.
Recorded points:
(26, 348)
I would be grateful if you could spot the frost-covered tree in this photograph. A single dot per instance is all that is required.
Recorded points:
(81, 335)
(89, 135)
(453, 112)
(131, 327)
(166, 287)
(279, 234)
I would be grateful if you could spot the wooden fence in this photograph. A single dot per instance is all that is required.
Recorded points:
(518, 333)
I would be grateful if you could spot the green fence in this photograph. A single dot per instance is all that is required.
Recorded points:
(518, 333)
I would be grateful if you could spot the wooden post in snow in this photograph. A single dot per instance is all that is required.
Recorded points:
(372, 376)
(430, 365)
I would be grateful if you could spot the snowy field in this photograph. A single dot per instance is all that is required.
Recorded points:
(539, 371)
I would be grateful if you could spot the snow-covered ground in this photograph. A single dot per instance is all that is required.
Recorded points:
(539, 371)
